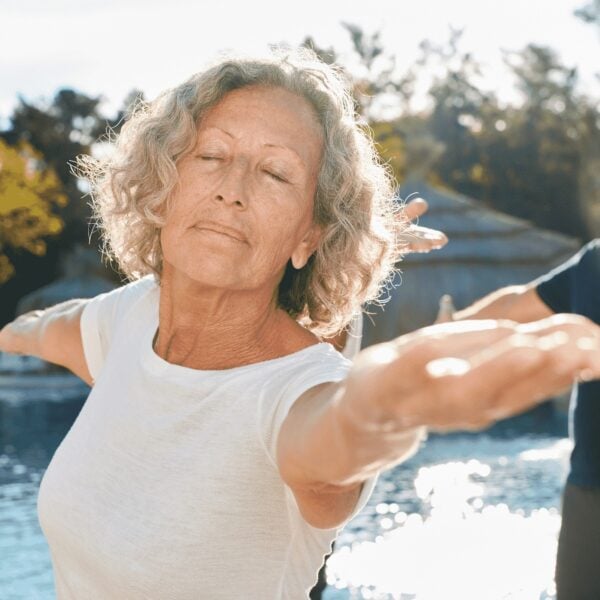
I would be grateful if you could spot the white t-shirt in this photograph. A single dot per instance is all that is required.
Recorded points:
(166, 485)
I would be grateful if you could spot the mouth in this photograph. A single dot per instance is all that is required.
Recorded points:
(221, 229)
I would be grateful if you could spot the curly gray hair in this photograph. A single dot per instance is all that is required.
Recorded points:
(354, 201)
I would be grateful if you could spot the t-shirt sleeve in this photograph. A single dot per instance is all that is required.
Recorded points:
(101, 317)
(330, 369)
(556, 287)
(326, 371)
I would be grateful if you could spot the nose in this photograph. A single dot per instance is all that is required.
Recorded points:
(232, 188)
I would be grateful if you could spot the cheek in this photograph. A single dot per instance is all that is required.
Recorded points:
(279, 236)
(182, 206)
(169, 243)
(174, 235)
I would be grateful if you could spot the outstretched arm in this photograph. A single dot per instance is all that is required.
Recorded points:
(519, 303)
(446, 377)
(52, 334)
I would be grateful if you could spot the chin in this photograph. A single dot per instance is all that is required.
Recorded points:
(212, 273)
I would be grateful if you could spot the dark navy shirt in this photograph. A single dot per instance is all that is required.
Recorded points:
(574, 287)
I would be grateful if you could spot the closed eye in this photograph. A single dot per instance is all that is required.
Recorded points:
(276, 177)
(210, 157)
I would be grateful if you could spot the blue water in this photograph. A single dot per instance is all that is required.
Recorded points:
(438, 527)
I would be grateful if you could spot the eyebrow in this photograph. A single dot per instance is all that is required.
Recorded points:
(286, 148)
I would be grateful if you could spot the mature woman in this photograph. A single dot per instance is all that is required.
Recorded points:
(224, 443)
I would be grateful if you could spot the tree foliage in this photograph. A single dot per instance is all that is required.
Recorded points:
(54, 132)
(30, 193)
(537, 160)
(59, 131)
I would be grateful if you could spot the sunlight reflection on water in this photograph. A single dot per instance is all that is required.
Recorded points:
(481, 529)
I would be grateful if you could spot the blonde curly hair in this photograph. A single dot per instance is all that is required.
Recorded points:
(354, 201)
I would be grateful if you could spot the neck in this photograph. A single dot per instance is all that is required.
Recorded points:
(207, 328)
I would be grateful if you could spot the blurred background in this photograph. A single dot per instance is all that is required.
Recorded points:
(488, 110)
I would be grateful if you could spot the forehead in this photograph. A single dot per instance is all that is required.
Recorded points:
(269, 116)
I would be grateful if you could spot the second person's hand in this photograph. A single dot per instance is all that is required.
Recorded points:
(416, 238)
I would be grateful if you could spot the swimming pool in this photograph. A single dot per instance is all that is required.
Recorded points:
(471, 516)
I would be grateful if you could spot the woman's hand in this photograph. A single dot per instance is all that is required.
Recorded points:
(452, 376)
(416, 238)
(467, 375)
(20, 336)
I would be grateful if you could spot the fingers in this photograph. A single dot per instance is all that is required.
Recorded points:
(446, 309)
(397, 370)
(456, 395)
(562, 321)
(460, 339)
(584, 332)
(466, 375)
(465, 338)
(415, 208)
(422, 239)
(12, 334)
(415, 238)
(8, 342)
(509, 377)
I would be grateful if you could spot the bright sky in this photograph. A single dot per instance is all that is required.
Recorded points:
(109, 47)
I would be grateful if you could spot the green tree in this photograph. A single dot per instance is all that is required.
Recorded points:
(67, 126)
(538, 160)
(536, 165)
(30, 193)
(58, 130)
(376, 86)
(455, 118)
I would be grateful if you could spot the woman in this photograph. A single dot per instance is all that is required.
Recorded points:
(223, 443)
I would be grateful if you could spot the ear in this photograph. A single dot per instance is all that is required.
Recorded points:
(306, 247)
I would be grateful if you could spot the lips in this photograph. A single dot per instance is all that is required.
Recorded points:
(231, 232)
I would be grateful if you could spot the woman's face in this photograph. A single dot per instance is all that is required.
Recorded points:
(244, 203)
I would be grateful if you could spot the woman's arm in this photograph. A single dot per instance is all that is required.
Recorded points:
(453, 376)
(52, 334)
